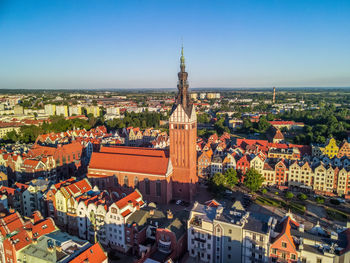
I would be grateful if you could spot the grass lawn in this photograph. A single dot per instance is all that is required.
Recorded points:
(294, 207)
(336, 214)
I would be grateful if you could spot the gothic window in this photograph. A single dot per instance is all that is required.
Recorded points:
(115, 179)
(158, 188)
(126, 181)
(147, 187)
(136, 182)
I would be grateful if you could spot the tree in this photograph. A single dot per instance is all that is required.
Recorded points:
(217, 182)
(319, 200)
(289, 195)
(231, 177)
(253, 180)
(263, 124)
(302, 197)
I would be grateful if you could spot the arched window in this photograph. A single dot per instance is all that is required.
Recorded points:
(126, 181)
(147, 187)
(115, 179)
(136, 182)
(158, 188)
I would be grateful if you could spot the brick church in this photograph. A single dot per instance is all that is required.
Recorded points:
(160, 175)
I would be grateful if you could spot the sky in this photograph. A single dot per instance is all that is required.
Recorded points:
(129, 44)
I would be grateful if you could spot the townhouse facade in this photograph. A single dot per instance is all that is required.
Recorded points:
(260, 238)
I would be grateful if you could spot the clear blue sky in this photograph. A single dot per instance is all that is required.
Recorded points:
(136, 44)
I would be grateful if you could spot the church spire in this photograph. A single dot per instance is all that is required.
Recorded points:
(183, 97)
(182, 59)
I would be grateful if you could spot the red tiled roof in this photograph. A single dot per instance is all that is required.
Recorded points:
(11, 223)
(20, 185)
(212, 203)
(285, 123)
(126, 212)
(94, 254)
(128, 159)
(9, 190)
(20, 240)
(130, 197)
(43, 227)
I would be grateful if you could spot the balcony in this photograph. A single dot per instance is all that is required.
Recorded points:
(196, 222)
(200, 239)
(164, 246)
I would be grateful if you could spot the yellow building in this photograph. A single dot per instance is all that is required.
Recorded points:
(331, 149)
(18, 110)
(94, 110)
(194, 96)
(50, 109)
(62, 110)
(8, 127)
(75, 110)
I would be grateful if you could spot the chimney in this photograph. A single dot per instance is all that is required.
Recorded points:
(30, 233)
(301, 228)
(348, 224)
(219, 211)
(58, 248)
(301, 245)
(169, 214)
(334, 235)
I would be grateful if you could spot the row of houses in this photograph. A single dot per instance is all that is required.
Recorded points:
(52, 162)
(231, 234)
(117, 219)
(37, 239)
(150, 137)
(281, 164)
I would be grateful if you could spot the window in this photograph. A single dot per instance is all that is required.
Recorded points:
(158, 188)
(136, 182)
(115, 180)
(319, 260)
(230, 231)
(292, 256)
(284, 244)
(126, 181)
(147, 187)
(274, 251)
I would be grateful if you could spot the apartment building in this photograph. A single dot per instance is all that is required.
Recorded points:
(215, 233)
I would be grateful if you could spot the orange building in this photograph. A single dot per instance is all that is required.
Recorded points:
(183, 135)
(344, 149)
(158, 176)
(283, 248)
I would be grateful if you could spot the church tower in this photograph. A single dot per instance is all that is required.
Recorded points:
(183, 135)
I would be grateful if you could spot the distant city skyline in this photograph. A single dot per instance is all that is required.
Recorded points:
(136, 44)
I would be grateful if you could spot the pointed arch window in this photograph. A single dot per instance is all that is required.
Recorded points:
(115, 179)
(147, 186)
(158, 188)
(126, 181)
(136, 182)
